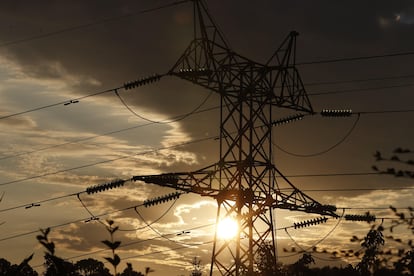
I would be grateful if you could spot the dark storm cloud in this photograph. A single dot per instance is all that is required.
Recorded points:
(111, 52)
(124, 49)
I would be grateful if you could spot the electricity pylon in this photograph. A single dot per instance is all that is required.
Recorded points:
(245, 182)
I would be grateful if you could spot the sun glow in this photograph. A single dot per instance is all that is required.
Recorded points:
(227, 229)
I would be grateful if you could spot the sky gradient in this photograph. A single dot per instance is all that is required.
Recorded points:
(52, 52)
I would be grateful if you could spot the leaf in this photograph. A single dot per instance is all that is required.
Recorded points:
(395, 158)
(117, 260)
(40, 238)
(111, 245)
(26, 261)
(45, 232)
(113, 230)
(51, 247)
(378, 156)
(398, 150)
(401, 215)
(109, 259)
(24, 264)
(354, 239)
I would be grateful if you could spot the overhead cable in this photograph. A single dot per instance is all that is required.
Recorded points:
(88, 25)
(342, 140)
(336, 60)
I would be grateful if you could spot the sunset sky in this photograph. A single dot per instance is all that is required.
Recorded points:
(52, 52)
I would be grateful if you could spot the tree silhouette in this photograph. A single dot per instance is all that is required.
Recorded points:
(91, 267)
(23, 269)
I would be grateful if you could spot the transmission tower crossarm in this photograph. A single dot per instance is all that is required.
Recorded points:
(197, 182)
(299, 201)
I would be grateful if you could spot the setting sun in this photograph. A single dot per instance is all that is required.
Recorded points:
(227, 228)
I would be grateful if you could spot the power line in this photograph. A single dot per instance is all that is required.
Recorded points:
(135, 209)
(107, 161)
(335, 60)
(137, 154)
(345, 91)
(357, 80)
(70, 222)
(387, 111)
(335, 174)
(342, 140)
(171, 119)
(164, 121)
(126, 86)
(88, 25)
(163, 251)
(142, 241)
(356, 189)
(35, 203)
(117, 88)
(149, 225)
(74, 221)
(104, 134)
(106, 214)
(56, 104)
(322, 239)
(134, 243)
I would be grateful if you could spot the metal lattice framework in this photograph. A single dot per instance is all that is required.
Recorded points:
(243, 181)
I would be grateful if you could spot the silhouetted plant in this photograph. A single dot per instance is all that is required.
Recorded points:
(372, 243)
(113, 245)
(266, 260)
(196, 267)
(399, 156)
(55, 266)
(129, 271)
(301, 267)
(405, 264)
(148, 270)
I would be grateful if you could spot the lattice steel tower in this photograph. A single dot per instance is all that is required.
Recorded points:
(244, 180)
